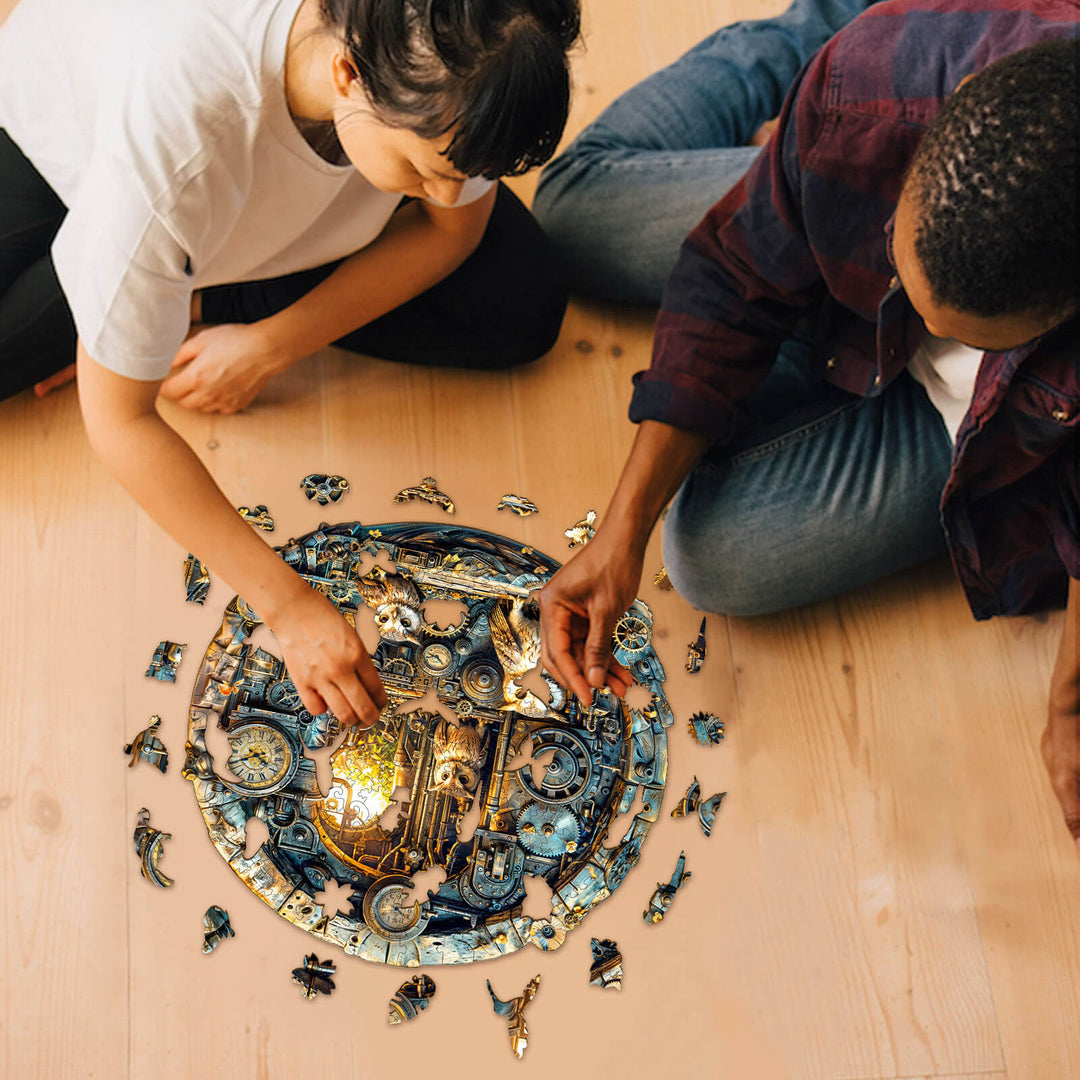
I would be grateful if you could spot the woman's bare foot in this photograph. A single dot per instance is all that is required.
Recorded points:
(65, 375)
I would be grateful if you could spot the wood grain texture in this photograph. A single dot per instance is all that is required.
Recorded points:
(888, 893)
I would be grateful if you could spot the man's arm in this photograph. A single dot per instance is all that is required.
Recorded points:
(1061, 739)
(326, 659)
(581, 604)
(223, 368)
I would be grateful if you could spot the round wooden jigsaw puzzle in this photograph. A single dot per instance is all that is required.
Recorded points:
(497, 783)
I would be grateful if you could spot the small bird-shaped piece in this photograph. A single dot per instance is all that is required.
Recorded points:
(581, 532)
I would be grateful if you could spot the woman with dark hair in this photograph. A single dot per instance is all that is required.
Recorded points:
(299, 172)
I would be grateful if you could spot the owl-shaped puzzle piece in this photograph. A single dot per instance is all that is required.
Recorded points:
(396, 602)
(459, 756)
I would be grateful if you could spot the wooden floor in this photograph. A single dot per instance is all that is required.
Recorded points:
(889, 891)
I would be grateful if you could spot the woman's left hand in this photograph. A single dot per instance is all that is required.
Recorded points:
(222, 369)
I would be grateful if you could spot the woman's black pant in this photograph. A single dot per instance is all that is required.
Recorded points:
(503, 306)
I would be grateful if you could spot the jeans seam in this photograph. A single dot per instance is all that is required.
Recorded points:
(799, 434)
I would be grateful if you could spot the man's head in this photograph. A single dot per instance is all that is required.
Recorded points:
(985, 239)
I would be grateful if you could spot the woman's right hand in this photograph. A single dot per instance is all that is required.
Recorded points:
(327, 661)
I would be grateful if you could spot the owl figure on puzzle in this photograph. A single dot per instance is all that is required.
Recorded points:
(460, 753)
(396, 602)
(516, 637)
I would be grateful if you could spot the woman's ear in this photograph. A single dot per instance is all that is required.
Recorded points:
(343, 73)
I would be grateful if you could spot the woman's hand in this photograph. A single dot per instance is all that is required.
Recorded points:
(327, 661)
(579, 607)
(222, 369)
(1061, 739)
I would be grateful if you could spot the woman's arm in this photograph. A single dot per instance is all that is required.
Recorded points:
(1061, 739)
(325, 657)
(223, 368)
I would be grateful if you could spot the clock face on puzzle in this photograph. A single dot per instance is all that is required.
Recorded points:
(262, 756)
(508, 778)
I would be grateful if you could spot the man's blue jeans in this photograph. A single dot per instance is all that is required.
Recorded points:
(824, 491)
(619, 201)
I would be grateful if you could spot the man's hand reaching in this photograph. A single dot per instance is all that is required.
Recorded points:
(578, 611)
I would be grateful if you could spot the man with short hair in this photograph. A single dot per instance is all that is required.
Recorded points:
(868, 351)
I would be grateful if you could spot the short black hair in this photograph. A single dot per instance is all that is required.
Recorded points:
(995, 187)
(494, 71)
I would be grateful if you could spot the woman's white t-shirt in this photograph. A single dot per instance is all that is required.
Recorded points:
(163, 127)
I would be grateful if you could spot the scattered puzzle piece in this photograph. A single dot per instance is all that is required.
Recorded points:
(427, 491)
(216, 928)
(146, 746)
(707, 812)
(315, 977)
(689, 802)
(514, 1011)
(606, 970)
(149, 847)
(325, 489)
(165, 661)
(665, 893)
(259, 516)
(411, 999)
(196, 580)
(518, 504)
(697, 651)
(707, 729)
(581, 532)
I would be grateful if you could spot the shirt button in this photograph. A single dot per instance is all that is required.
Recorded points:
(1061, 415)
(830, 363)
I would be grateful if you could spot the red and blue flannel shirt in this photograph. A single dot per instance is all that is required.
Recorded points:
(803, 241)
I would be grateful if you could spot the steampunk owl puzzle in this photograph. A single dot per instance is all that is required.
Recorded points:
(545, 780)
